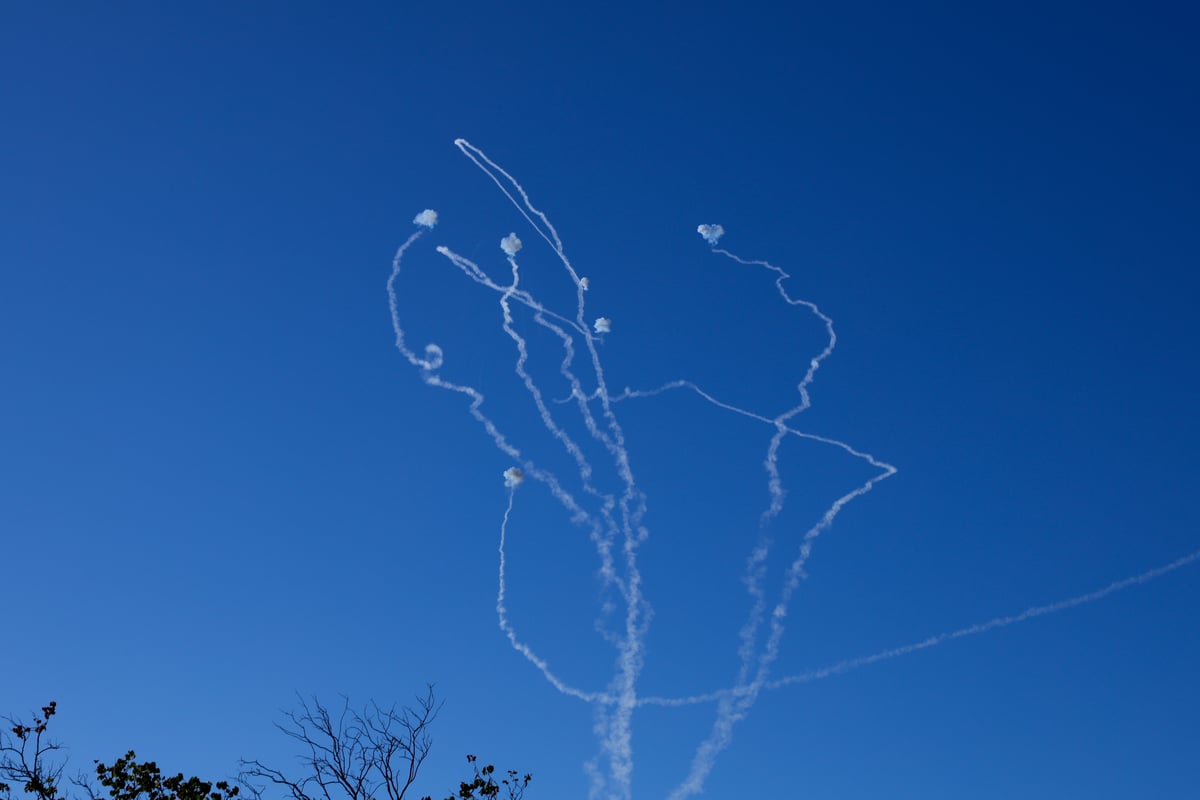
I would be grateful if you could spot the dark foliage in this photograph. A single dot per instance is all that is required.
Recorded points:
(29, 760)
(374, 754)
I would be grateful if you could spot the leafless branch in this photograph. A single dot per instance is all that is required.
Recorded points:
(351, 755)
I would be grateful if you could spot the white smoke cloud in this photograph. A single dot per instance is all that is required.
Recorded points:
(426, 219)
(584, 284)
(513, 477)
(603, 325)
(711, 233)
(510, 245)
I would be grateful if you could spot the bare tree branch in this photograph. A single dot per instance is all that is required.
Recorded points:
(374, 754)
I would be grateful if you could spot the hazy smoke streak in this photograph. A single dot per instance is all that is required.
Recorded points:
(603, 543)
(524, 206)
(502, 613)
(518, 645)
(618, 740)
(616, 706)
(842, 667)
(733, 707)
(472, 271)
(434, 360)
(620, 518)
(617, 722)
(542, 316)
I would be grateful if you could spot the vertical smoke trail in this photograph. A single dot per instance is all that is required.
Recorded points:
(775, 484)
(617, 721)
(755, 569)
(615, 707)
(433, 361)
(756, 564)
(518, 645)
(733, 707)
(603, 543)
(617, 741)
(620, 520)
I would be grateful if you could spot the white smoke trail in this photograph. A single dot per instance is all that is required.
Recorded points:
(775, 485)
(755, 568)
(733, 707)
(617, 721)
(510, 632)
(851, 664)
(434, 359)
(428, 366)
(616, 706)
(618, 523)
(524, 206)
(618, 741)
(755, 565)
(511, 245)
(842, 667)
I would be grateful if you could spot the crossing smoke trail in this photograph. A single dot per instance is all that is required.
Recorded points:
(428, 365)
(616, 528)
(502, 615)
(615, 723)
(992, 624)
(613, 519)
(620, 527)
(733, 707)
(842, 667)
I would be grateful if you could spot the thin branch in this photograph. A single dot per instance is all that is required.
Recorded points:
(355, 756)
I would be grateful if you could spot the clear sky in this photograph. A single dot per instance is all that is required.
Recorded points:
(221, 483)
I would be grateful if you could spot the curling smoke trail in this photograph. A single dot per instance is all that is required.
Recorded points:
(733, 707)
(615, 722)
(615, 718)
(433, 361)
(615, 523)
(619, 526)
(518, 645)
(603, 543)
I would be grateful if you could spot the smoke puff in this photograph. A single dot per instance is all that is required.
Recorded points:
(711, 233)
(510, 244)
(603, 325)
(426, 219)
(513, 477)
(584, 283)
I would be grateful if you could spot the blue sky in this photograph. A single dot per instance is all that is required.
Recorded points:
(222, 484)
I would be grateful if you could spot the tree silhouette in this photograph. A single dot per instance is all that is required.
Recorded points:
(374, 754)
(29, 760)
